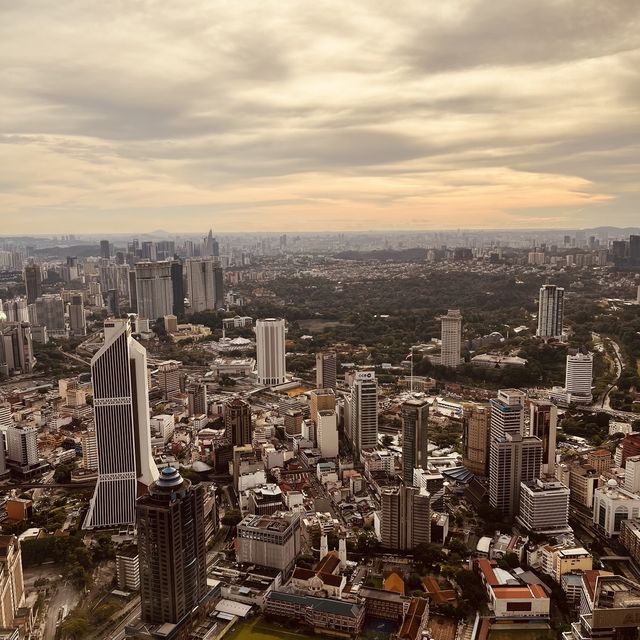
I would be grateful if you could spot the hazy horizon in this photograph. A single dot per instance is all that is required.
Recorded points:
(277, 116)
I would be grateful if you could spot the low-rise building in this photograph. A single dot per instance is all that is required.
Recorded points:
(611, 505)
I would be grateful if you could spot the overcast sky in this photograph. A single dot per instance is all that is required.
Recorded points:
(312, 115)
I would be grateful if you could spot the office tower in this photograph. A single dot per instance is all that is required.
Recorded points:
(11, 584)
(514, 459)
(237, 421)
(363, 428)
(507, 413)
(550, 311)
(16, 348)
(171, 548)
(269, 541)
(133, 291)
(270, 351)
(49, 312)
(415, 423)
(204, 284)
(121, 418)
(634, 249)
(105, 249)
(326, 370)
(113, 303)
(77, 318)
(405, 517)
(544, 425)
(632, 474)
(321, 400)
(476, 429)
(148, 251)
(327, 433)
(170, 378)
(33, 282)
(293, 422)
(579, 376)
(154, 289)
(451, 335)
(198, 401)
(22, 444)
(210, 246)
(177, 283)
(544, 507)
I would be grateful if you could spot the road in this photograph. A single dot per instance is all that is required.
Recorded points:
(118, 632)
(65, 595)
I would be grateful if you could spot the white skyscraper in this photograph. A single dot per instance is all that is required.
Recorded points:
(451, 338)
(154, 289)
(204, 284)
(550, 311)
(121, 417)
(327, 433)
(270, 351)
(579, 376)
(363, 414)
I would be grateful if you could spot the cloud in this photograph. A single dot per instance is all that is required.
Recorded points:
(285, 115)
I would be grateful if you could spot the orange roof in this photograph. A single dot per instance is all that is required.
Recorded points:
(393, 582)
(329, 563)
(538, 591)
(487, 570)
(518, 593)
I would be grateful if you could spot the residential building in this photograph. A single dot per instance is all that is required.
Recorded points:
(198, 403)
(11, 580)
(121, 418)
(16, 348)
(550, 312)
(128, 568)
(22, 444)
(172, 549)
(270, 541)
(451, 335)
(49, 313)
(204, 283)
(270, 351)
(415, 423)
(326, 370)
(476, 428)
(405, 517)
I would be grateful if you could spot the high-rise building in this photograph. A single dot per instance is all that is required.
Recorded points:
(507, 413)
(105, 249)
(451, 334)
(49, 312)
(544, 507)
(17, 310)
(16, 348)
(170, 378)
(11, 582)
(514, 459)
(33, 282)
(327, 433)
(22, 444)
(171, 549)
(544, 425)
(269, 541)
(634, 249)
(121, 418)
(476, 429)
(154, 289)
(363, 414)
(77, 318)
(198, 400)
(89, 449)
(293, 419)
(578, 378)
(321, 400)
(270, 351)
(237, 421)
(326, 370)
(203, 284)
(177, 283)
(113, 303)
(415, 423)
(550, 311)
(405, 517)
(148, 251)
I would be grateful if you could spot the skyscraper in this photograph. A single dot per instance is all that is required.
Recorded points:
(177, 283)
(451, 335)
(321, 400)
(476, 428)
(327, 433)
(105, 249)
(204, 282)
(578, 377)
(237, 421)
(33, 282)
(121, 418)
(405, 517)
(363, 428)
(171, 548)
(544, 425)
(550, 311)
(49, 312)
(415, 417)
(270, 351)
(326, 370)
(16, 348)
(154, 289)
(77, 318)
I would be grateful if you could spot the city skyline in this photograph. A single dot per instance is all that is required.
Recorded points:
(270, 117)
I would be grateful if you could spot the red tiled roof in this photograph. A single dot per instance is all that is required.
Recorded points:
(487, 570)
